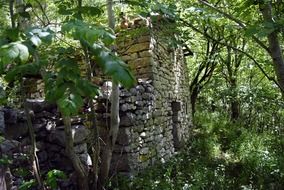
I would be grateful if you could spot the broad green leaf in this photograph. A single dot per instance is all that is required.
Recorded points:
(35, 40)
(36, 35)
(115, 68)
(22, 70)
(23, 52)
(70, 103)
(87, 89)
(12, 51)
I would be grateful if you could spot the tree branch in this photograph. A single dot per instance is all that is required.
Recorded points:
(234, 48)
(239, 22)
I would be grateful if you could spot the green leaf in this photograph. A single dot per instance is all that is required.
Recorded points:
(91, 36)
(5, 160)
(12, 51)
(23, 52)
(22, 70)
(37, 35)
(89, 33)
(35, 40)
(70, 103)
(115, 68)
(53, 176)
(90, 10)
(13, 34)
(27, 185)
(87, 89)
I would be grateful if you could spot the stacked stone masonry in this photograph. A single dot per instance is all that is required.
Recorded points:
(155, 114)
(50, 141)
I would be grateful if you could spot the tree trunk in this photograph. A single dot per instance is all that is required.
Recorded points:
(111, 137)
(114, 125)
(193, 99)
(80, 169)
(235, 104)
(33, 156)
(11, 10)
(94, 136)
(235, 111)
(274, 45)
(2, 177)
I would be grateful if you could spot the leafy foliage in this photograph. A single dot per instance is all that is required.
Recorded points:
(14, 51)
(221, 155)
(97, 39)
(26, 185)
(53, 176)
(67, 87)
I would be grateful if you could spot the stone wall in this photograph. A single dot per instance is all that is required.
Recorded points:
(50, 138)
(155, 114)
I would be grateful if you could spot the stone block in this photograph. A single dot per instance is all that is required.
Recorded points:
(81, 148)
(144, 150)
(80, 134)
(139, 47)
(2, 122)
(122, 137)
(120, 163)
(9, 146)
(144, 39)
(147, 53)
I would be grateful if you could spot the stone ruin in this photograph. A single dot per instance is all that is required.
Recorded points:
(155, 115)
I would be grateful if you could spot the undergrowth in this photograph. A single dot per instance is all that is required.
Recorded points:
(220, 155)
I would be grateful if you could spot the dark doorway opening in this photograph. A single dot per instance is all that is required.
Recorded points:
(176, 107)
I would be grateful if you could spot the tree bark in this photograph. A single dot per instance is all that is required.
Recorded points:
(11, 10)
(114, 125)
(235, 104)
(2, 177)
(274, 48)
(274, 45)
(193, 98)
(33, 156)
(80, 169)
(94, 136)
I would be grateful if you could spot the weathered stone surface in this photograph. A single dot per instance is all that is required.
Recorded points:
(81, 148)
(120, 163)
(138, 47)
(10, 115)
(9, 146)
(144, 38)
(2, 122)
(14, 131)
(80, 134)
(125, 121)
(122, 137)
(42, 156)
(151, 119)
(86, 159)
(147, 53)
